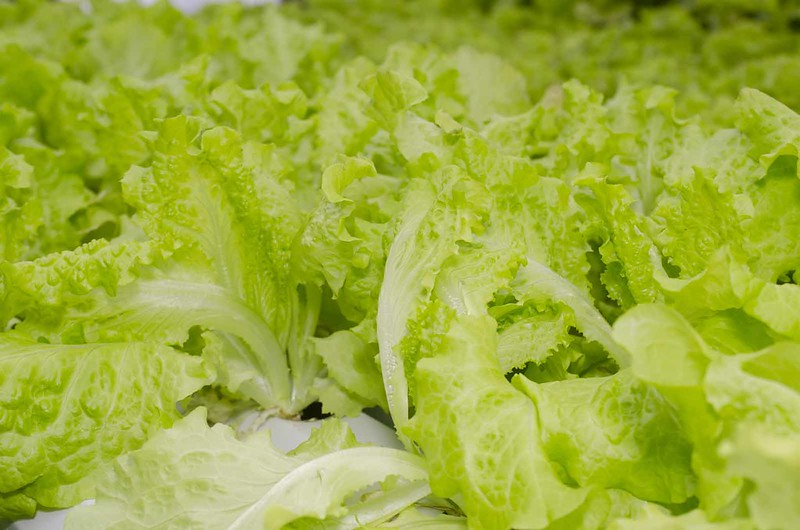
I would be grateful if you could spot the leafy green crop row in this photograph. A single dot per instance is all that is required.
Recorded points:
(559, 243)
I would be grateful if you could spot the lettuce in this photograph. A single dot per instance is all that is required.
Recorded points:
(557, 242)
(261, 486)
(68, 409)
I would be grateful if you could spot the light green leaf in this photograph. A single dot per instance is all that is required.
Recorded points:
(337, 400)
(624, 231)
(715, 395)
(614, 432)
(698, 214)
(434, 223)
(67, 409)
(226, 226)
(263, 115)
(44, 286)
(490, 86)
(670, 355)
(758, 388)
(15, 506)
(772, 240)
(537, 282)
(352, 363)
(391, 93)
(496, 466)
(193, 476)
(342, 241)
(729, 284)
(694, 520)
(773, 127)
(772, 464)
(532, 337)
(337, 177)
(651, 329)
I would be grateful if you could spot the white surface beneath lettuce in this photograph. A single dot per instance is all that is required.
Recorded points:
(285, 435)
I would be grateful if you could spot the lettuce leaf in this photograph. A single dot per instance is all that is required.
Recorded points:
(497, 465)
(68, 409)
(715, 396)
(196, 475)
(556, 241)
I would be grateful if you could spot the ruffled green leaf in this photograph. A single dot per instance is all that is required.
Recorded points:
(195, 475)
(498, 465)
(67, 409)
